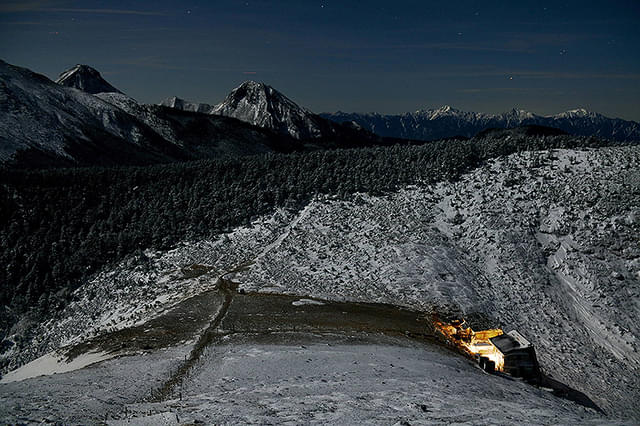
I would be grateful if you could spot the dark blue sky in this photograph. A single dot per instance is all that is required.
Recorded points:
(384, 56)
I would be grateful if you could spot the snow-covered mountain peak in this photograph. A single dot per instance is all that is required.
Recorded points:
(577, 113)
(87, 79)
(443, 111)
(259, 95)
(262, 105)
(518, 114)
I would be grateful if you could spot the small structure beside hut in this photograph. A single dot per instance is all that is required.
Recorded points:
(517, 356)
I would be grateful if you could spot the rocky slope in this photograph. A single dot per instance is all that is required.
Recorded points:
(447, 122)
(202, 135)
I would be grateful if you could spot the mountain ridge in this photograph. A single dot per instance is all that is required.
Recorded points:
(262, 105)
(46, 124)
(446, 121)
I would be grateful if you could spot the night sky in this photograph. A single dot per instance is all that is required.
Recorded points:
(383, 56)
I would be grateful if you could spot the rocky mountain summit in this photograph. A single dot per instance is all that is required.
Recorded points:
(87, 79)
(262, 105)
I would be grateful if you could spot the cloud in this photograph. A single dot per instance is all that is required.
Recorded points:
(499, 90)
(571, 75)
(44, 6)
(159, 63)
(24, 6)
(104, 11)
(26, 23)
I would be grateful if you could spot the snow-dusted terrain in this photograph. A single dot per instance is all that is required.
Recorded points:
(184, 105)
(260, 105)
(353, 380)
(318, 379)
(53, 122)
(83, 120)
(543, 242)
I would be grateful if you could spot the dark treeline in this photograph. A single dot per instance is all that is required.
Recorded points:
(57, 227)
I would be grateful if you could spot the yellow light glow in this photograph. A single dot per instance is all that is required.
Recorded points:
(473, 343)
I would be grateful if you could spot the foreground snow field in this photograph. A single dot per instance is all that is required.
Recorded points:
(292, 379)
(357, 379)
(543, 242)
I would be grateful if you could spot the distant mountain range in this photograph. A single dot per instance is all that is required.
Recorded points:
(82, 120)
(448, 122)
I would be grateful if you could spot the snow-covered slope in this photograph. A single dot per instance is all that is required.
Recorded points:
(43, 123)
(328, 380)
(447, 122)
(546, 243)
(87, 79)
(543, 242)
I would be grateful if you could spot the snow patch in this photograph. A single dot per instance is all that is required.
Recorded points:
(303, 302)
(53, 363)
